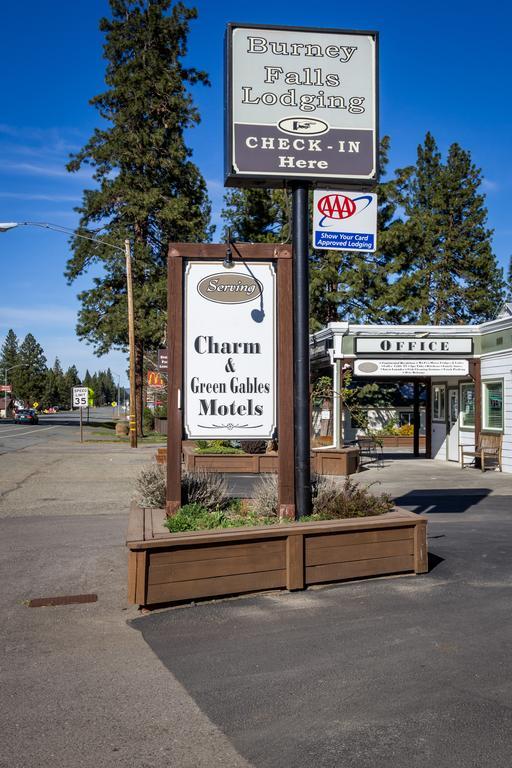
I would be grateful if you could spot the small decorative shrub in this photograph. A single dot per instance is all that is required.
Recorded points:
(150, 486)
(331, 501)
(265, 498)
(406, 430)
(253, 446)
(217, 447)
(208, 489)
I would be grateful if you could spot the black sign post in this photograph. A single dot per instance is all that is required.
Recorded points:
(300, 243)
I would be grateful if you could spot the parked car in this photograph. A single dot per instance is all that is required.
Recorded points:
(26, 416)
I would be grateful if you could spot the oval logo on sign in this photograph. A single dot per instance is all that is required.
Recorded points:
(302, 126)
(229, 288)
(368, 367)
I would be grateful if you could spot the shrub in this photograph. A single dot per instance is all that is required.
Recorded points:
(216, 446)
(265, 498)
(161, 412)
(150, 486)
(208, 489)
(205, 489)
(148, 420)
(406, 430)
(253, 446)
(194, 517)
(331, 502)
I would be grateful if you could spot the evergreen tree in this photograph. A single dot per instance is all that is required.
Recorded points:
(443, 267)
(51, 392)
(32, 375)
(257, 215)
(149, 189)
(353, 285)
(509, 280)
(71, 379)
(9, 357)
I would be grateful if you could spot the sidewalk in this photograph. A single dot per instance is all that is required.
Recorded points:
(79, 688)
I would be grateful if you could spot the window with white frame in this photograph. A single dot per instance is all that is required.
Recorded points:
(439, 402)
(493, 404)
(467, 406)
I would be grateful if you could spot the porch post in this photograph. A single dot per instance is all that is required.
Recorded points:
(337, 403)
(416, 418)
(428, 420)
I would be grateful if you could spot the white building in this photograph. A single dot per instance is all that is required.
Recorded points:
(467, 370)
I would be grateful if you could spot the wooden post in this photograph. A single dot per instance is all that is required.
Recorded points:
(416, 418)
(131, 343)
(286, 475)
(295, 561)
(174, 379)
(428, 420)
(475, 373)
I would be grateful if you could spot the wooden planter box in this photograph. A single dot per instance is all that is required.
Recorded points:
(324, 461)
(165, 567)
(397, 441)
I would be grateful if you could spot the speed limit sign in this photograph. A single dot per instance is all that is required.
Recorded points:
(80, 397)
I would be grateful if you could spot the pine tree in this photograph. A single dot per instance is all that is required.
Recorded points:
(71, 379)
(9, 359)
(149, 189)
(509, 280)
(257, 215)
(354, 285)
(52, 390)
(443, 267)
(32, 374)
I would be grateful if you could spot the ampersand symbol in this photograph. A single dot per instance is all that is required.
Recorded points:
(230, 368)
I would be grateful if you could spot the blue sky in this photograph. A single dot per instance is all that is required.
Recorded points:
(444, 67)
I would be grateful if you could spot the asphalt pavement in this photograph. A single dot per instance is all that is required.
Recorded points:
(395, 672)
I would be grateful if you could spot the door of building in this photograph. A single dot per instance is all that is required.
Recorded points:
(452, 437)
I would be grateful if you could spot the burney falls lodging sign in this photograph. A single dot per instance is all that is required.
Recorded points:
(229, 344)
(300, 104)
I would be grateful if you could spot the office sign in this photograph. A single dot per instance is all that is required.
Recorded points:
(301, 104)
(345, 221)
(411, 368)
(415, 345)
(230, 350)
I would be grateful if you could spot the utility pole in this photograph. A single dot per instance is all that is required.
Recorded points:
(131, 342)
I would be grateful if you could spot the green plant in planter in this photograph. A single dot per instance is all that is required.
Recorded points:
(216, 447)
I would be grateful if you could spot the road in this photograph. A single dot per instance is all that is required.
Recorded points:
(51, 427)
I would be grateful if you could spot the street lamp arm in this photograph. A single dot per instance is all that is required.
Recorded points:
(59, 228)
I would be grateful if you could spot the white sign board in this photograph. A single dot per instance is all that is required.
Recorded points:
(414, 345)
(302, 104)
(230, 350)
(414, 368)
(80, 397)
(345, 221)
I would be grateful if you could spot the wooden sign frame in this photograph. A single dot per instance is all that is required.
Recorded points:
(281, 256)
